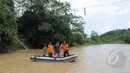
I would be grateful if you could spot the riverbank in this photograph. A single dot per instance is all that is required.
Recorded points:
(74, 45)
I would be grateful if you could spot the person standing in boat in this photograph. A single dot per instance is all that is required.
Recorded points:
(65, 48)
(57, 49)
(50, 49)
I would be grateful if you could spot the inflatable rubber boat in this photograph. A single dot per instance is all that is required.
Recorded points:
(70, 58)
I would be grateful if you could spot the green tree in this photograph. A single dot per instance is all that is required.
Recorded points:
(95, 37)
(127, 40)
(119, 36)
(48, 20)
(8, 26)
(77, 30)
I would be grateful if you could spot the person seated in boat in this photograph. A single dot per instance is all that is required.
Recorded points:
(57, 49)
(65, 48)
(50, 49)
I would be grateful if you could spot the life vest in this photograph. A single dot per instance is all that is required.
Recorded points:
(50, 48)
(64, 47)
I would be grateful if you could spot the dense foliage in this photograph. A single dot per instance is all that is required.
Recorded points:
(116, 36)
(37, 22)
(93, 39)
(49, 20)
(8, 26)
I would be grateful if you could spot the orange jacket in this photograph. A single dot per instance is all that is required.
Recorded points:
(50, 48)
(64, 47)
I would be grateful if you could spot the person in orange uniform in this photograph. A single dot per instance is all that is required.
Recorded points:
(65, 48)
(50, 49)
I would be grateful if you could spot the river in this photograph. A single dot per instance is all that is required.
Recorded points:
(91, 59)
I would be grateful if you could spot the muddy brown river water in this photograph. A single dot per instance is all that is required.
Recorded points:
(91, 59)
